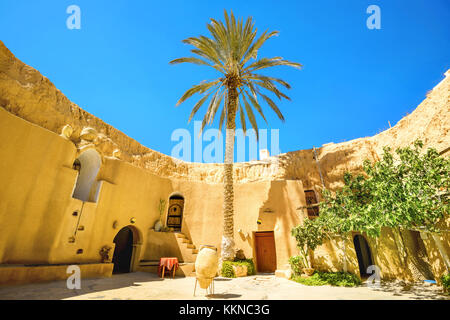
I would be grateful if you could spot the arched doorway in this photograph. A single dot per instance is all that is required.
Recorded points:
(87, 164)
(363, 254)
(175, 213)
(123, 251)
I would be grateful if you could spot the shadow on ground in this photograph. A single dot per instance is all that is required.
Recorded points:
(417, 291)
(223, 296)
(58, 289)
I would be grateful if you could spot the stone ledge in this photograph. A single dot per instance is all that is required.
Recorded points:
(12, 275)
(283, 273)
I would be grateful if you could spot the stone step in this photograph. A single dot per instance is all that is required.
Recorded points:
(194, 251)
(180, 235)
(185, 240)
(191, 246)
(144, 263)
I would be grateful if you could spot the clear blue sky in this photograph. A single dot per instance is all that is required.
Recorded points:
(353, 82)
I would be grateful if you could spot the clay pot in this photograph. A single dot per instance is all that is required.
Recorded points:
(308, 271)
(158, 226)
(206, 265)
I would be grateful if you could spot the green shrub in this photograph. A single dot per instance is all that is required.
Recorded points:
(227, 267)
(246, 262)
(296, 263)
(339, 279)
(445, 279)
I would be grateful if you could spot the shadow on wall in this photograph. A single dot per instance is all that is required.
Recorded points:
(387, 256)
(434, 256)
(161, 244)
(279, 213)
(417, 257)
(327, 257)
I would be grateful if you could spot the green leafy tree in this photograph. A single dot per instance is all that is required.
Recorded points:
(232, 50)
(309, 236)
(409, 191)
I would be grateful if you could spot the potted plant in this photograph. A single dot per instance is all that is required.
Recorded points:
(159, 225)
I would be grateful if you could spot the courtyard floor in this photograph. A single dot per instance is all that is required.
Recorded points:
(143, 286)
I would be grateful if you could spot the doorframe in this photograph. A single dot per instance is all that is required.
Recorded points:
(136, 246)
(255, 260)
(166, 213)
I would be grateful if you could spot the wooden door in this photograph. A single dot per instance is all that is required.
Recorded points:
(175, 215)
(266, 259)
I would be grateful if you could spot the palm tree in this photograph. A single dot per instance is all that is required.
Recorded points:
(232, 51)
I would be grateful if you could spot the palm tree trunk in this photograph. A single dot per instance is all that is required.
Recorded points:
(227, 250)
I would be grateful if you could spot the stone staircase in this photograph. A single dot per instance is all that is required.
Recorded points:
(188, 249)
(186, 262)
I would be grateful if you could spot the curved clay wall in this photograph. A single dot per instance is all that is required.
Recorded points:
(37, 225)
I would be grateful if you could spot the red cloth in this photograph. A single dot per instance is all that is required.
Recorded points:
(169, 263)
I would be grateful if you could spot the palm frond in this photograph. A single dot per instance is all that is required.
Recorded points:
(190, 60)
(261, 77)
(270, 62)
(273, 106)
(200, 88)
(255, 105)
(251, 118)
(232, 49)
(253, 51)
(197, 106)
(270, 86)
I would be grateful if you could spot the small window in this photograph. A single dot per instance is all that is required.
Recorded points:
(312, 205)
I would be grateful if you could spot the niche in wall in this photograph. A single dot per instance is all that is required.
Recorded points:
(87, 164)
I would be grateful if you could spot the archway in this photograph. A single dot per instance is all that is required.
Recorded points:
(87, 164)
(363, 254)
(175, 212)
(123, 252)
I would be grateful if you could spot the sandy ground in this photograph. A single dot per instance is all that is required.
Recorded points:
(143, 286)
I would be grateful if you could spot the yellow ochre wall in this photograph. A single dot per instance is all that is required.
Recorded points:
(37, 205)
(37, 181)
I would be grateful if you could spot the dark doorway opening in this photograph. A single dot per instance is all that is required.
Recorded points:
(363, 254)
(266, 259)
(123, 251)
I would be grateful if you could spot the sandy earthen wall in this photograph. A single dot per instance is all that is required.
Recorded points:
(36, 204)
